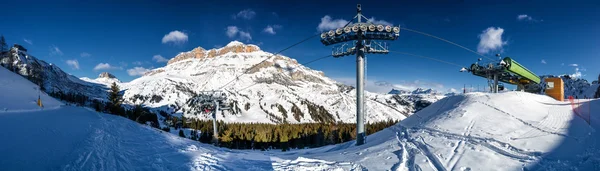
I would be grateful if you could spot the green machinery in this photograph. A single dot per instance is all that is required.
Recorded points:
(507, 71)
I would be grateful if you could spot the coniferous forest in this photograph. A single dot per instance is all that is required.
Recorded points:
(264, 136)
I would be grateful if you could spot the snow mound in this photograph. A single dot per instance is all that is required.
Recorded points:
(506, 131)
(19, 94)
(478, 131)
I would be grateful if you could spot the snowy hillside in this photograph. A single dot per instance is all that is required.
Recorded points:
(477, 131)
(52, 78)
(267, 93)
(12, 86)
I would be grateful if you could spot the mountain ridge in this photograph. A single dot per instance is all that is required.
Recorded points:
(271, 86)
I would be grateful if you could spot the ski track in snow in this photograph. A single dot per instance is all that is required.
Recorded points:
(525, 122)
(451, 162)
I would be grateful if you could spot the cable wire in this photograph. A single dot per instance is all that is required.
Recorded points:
(430, 58)
(447, 41)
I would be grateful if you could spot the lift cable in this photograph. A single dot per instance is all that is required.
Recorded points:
(447, 41)
(430, 58)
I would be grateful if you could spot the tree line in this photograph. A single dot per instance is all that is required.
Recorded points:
(114, 105)
(264, 136)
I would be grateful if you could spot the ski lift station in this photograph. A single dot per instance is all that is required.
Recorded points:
(509, 71)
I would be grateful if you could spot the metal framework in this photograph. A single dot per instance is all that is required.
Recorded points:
(357, 39)
(212, 102)
(507, 71)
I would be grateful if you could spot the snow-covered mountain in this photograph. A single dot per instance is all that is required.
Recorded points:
(424, 91)
(51, 77)
(275, 89)
(104, 78)
(398, 91)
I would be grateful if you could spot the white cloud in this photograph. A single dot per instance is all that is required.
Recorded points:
(577, 74)
(543, 61)
(573, 65)
(233, 31)
(271, 29)
(491, 40)
(104, 66)
(328, 24)
(245, 36)
(383, 22)
(28, 41)
(85, 54)
(73, 63)
(55, 51)
(137, 71)
(159, 58)
(176, 37)
(245, 14)
(453, 90)
(524, 17)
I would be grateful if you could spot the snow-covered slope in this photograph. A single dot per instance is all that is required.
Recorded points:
(267, 93)
(12, 86)
(477, 131)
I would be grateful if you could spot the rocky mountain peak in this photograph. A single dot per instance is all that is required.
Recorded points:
(201, 53)
(398, 91)
(423, 91)
(106, 75)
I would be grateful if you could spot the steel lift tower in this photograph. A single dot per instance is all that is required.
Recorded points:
(360, 38)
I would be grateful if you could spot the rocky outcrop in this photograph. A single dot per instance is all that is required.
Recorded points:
(106, 75)
(200, 53)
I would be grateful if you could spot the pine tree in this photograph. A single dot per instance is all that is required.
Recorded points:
(115, 99)
(3, 46)
(5, 52)
(181, 134)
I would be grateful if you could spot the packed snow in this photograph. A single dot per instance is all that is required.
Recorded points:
(476, 131)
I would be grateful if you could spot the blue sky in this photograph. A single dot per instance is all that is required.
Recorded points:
(549, 37)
